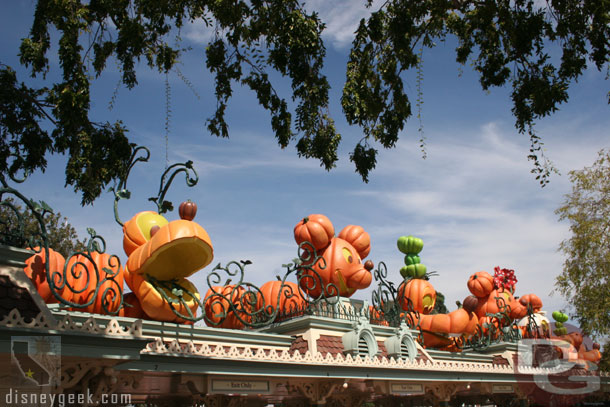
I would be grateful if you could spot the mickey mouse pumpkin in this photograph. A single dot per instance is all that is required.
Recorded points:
(341, 272)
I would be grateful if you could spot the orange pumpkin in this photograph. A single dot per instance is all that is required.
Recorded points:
(517, 310)
(377, 317)
(533, 300)
(489, 304)
(344, 269)
(155, 306)
(218, 309)
(434, 340)
(81, 276)
(421, 293)
(132, 307)
(136, 231)
(36, 271)
(316, 229)
(177, 250)
(286, 297)
(481, 284)
(455, 322)
(357, 237)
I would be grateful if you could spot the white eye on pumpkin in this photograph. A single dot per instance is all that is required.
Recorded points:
(348, 255)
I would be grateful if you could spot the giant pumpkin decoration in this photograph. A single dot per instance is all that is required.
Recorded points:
(489, 304)
(137, 230)
(358, 238)
(176, 250)
(35, 269)
(218, 310)
(155, 306)
(284, 296)
(459, 321)
(340, 272)
(132, 307)
(533, 301)
(343, 268)
(421, 293)
(316, 229)
(81, 276)
(481, 284)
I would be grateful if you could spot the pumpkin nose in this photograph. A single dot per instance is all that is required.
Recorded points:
(369, 265)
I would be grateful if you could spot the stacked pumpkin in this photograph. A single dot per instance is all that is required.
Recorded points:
(410, 246)
(341, 272)
(81, 280)
(418, 296)
(493, 294)
(167, 252)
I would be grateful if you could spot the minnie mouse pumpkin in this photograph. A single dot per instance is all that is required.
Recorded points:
(340, 271)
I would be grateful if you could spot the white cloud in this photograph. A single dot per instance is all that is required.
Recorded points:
(341, 18)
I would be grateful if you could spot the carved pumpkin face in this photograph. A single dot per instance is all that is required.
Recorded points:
(421, 293)
(344, 269)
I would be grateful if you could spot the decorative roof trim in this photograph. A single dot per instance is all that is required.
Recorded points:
(67, 324)
(261, 354)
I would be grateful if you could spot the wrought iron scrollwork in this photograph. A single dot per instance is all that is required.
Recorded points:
(78, 284)
(142, 154)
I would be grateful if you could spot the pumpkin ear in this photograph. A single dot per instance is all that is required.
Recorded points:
(316, 229)
(357, 237)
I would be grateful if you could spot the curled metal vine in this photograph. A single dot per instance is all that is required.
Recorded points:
(79, 284)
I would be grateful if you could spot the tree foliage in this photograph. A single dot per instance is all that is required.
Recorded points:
(62, 236)
(508, 42)
(585, 280)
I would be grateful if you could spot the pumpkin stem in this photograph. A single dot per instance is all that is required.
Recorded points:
(305, 219)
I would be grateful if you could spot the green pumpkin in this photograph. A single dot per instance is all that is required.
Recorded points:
(410, 244)
(561, 331)
(559, 316)
(412, 259)
(405, 272)
(413, 271)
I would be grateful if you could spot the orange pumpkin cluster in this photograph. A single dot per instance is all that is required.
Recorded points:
(487, 298)
(341, 272)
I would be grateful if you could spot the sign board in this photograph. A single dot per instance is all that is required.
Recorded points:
(406, 388)
(238, 386)
(502, 388)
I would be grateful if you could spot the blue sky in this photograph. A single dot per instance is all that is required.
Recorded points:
(472, 200)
